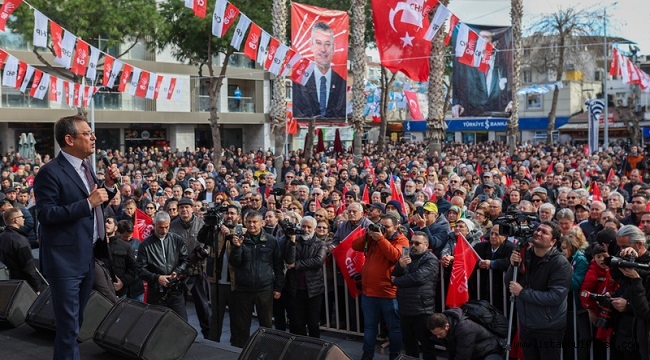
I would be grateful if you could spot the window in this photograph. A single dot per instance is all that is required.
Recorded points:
(534, 102)
(527, 76)
(598, 75)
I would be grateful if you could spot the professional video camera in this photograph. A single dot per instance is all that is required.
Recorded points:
(290, 228)
(616, 262)
(202, 251)
(376, 228)
(518, 224)
(214, 215)
(606, 308)
(176, 286)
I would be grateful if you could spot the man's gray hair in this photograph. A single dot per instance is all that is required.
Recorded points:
(618, 195)
(565, 214)
(547, 206)
(161, 216)
(635, 234)
(309, 219)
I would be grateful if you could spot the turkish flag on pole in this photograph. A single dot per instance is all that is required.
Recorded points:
(397, 195)
(349, 261)
(414, 106)
(610, 175)
(365, 197)
(465, 259)
(400, 27)
(8, 7)
(614, 68)
(292, 124)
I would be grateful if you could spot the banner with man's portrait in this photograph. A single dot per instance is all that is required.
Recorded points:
(321, 35)
(481, 74)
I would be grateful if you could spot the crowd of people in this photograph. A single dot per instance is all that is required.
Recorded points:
(228, 233)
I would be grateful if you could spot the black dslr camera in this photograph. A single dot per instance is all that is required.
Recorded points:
(376, 228)
(290, 228)
(627, 262)
(606, 308)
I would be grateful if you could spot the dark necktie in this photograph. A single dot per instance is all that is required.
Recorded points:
(323, 95)
(99, 216)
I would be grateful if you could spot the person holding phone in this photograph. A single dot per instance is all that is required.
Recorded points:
(415, 277)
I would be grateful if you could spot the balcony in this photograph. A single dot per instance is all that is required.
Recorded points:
(242, 104)
(14, 98)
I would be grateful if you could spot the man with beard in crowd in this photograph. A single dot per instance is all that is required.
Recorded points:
(187, 226)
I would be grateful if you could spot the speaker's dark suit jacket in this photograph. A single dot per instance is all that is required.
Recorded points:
(66, 249)
(305, 98)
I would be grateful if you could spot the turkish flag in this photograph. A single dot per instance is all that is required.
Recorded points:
(142, 225)
(8, 7)
(610, 175)
(365, 198)
(397, 195)
(143, 85)
(252, 41)
(595, 192)
(414, 106)
(292, 124)
(349, 261)
(614, 67)
(400, 27)
(126, 73)
(80, 62)
(465, 259)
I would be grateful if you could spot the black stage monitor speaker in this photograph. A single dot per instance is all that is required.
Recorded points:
(16, 296)
(41, 315)
(279, 345)
(141, 331)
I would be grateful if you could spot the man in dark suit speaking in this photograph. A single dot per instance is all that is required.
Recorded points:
(324, 94)
(70, 201)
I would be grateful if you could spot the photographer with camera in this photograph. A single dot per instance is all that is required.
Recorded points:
(162, 260)
(304, 254)
(633, 255)
(543, 282)
(258, 278)
(383, 248)
(187, 226)
(220, 225)
(436, 227)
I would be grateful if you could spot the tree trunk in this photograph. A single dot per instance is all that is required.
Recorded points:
(385, 88)
(358, 69)
(556, 93)
(215, 92)
(436, 125)
(279, 101)
(516, 13)
(309, 139)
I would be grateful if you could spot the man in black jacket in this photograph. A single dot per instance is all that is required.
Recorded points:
(541, 289)
(464, 339)
(305, 282)
(416, 276)
(16, 253)
(117, 255)
(256, 259)
(162, 258)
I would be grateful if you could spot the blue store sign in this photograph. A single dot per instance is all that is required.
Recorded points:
(646, 132)
(415, 126)
(501, 124)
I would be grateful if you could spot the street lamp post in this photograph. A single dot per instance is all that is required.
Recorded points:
(605, 73)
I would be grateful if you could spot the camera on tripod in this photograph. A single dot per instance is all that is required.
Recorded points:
(214, 215)
(518, 224)
(606, 308)
(290, 228)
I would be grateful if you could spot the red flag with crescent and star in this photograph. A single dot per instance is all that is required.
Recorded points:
(414, 106)
(400, 27)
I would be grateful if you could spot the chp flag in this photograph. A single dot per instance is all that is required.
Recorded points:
(350, 261)
(465, 259)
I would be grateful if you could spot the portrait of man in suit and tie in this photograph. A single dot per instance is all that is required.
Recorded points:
(477, 93)
(70, 201)
(324, 94)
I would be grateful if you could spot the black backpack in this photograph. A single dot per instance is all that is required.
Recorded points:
(486, 315)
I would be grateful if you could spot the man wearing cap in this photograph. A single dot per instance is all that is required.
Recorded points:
(487, 177)
(375, 211)
(187, 225)
(436, 227)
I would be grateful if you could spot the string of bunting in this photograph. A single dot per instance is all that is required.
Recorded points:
(631, 74)
(81, 58)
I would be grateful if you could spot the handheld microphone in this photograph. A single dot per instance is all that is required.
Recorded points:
(107, 164)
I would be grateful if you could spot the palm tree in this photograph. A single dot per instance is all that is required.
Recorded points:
(516, 13)
(279, 101)
(436, 115)
(358, 62)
